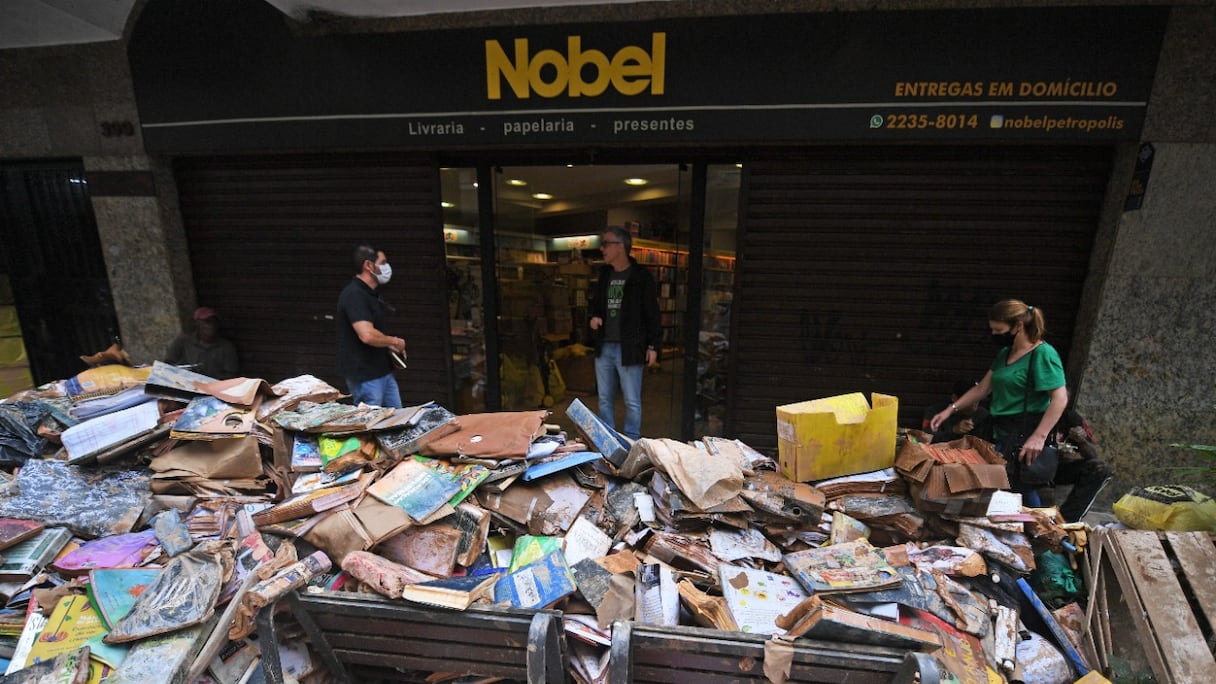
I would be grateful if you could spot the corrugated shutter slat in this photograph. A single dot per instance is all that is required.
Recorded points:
(270, 242)
(872, 269)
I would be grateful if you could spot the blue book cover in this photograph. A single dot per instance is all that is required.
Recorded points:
(114, 590)
(305, 453)
(558, 464)
(536, 585)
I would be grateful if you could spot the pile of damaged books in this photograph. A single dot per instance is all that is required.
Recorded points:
(152, 513)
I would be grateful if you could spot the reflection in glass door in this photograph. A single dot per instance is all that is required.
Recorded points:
(459, 199)
(717, 293)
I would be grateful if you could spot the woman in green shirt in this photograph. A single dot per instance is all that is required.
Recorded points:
(1023, 418)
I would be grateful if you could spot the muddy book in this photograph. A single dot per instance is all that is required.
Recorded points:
(14, 531)
(452, 592)
(756, 598)
(28, 558)
(113, 590)
(536, 585)
(849, 567)
(414, 488)
(827, 622)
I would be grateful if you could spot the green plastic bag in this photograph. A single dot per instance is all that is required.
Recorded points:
(1054, 579)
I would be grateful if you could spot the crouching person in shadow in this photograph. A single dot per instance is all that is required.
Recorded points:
(1081, 466)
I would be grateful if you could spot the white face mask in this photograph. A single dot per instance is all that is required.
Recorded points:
(385, 274)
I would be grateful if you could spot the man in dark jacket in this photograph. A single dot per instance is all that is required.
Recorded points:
(628, 333)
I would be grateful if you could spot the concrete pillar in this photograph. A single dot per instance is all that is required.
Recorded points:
(144, 247)
(1150, 374)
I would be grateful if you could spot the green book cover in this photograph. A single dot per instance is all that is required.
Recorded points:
(466, 475)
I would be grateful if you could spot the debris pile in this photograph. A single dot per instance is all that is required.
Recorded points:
(153, 513)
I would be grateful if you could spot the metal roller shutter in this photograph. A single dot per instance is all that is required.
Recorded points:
(270, 247)
(872, 269)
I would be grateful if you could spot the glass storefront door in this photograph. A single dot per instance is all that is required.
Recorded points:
(547, 226)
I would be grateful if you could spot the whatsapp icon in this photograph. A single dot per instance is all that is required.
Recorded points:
(876, 121)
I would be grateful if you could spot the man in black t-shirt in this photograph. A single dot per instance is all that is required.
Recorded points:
(628, 331)
(363, 350)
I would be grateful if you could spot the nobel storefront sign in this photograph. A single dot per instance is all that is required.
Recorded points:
(1033, 74)
(549, 73)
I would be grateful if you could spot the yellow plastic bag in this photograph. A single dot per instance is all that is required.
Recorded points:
(1174, 508)
(104, 381)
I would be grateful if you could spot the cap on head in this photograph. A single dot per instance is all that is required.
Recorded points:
(203, 313)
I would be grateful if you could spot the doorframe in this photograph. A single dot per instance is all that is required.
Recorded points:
(698, 160)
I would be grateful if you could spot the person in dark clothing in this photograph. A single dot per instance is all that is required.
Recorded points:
(363, 349)
(971, 419)
(204, 351)
(628, 332)
(1081, 466)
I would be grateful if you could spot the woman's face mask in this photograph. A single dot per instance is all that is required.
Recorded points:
(1004, 339)
(385, 274)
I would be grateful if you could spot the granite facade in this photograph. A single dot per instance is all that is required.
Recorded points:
(1150, 374)
(146, 258)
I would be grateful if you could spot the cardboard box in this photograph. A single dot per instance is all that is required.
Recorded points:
(834, 436)
(956, 488)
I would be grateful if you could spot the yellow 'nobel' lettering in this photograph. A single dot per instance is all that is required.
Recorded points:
(630, 71)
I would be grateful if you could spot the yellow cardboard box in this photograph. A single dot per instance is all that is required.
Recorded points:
(835, 436)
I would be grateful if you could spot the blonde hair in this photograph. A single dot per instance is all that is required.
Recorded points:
(1014, 311)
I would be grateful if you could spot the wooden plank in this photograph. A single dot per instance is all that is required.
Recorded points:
(1135, 604)
(1197, 555)
(1173, 624)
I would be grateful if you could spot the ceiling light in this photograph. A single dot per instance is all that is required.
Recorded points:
(569, 166)
(474, 183)
(446, 205)
(738, 166)
(516, 182)
(542, 196)
(636, 181)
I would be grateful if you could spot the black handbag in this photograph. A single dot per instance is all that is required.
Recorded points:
(1043, 469)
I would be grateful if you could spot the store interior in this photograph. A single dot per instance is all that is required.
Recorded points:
(548, 221)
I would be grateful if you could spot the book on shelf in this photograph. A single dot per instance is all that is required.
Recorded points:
(849, 567)
(452, 592)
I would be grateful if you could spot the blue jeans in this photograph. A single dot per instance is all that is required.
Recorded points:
(381, 391)
(609, 375)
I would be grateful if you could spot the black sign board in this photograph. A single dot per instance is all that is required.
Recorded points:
(228, 75)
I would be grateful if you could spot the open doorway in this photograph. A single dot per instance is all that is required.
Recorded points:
(547, 223)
